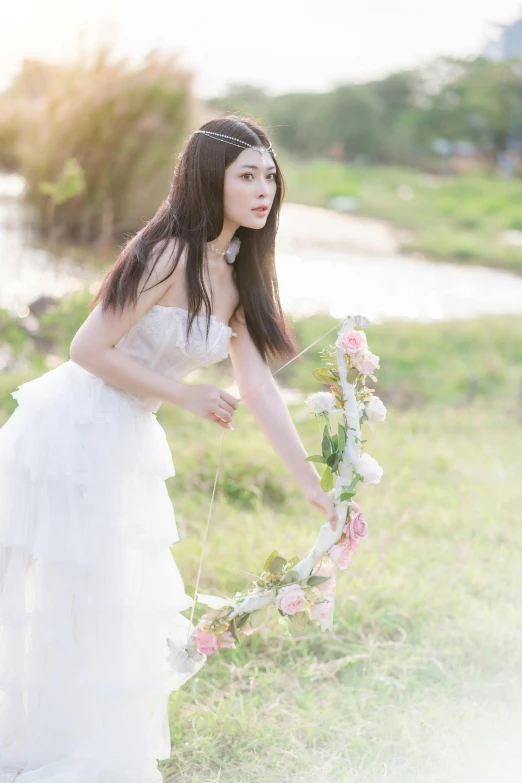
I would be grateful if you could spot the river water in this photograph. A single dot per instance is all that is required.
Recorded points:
(326, 262)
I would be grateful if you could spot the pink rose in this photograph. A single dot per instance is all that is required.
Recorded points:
(226, 639)
(291, 599)
(366, 362)
(206, 642)
(351, 543)
(322, 613)
(341, 554)
(247, 629)
(326, 568)
(352, 342)
(356, 527)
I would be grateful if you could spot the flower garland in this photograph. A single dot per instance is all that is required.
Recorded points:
(299, 592)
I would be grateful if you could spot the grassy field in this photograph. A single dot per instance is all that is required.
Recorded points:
(421, 678)
(457, 219)
(426, 649)
(424, 667)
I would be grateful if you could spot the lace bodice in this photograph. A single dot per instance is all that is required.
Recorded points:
(158, 340)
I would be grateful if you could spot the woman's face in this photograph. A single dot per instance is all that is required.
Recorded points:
(249, 183)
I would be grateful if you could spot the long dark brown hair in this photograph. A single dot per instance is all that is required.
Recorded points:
(194, 212)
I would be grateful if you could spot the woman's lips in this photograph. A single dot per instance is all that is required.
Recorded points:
(261, 210)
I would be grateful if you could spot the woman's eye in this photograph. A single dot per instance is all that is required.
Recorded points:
(249, 174)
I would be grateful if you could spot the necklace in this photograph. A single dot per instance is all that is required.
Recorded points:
(217, 250)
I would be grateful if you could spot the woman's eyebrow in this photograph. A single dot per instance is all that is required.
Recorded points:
(253, 166)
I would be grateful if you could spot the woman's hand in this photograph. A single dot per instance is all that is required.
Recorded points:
(210, 402)
(324, 502)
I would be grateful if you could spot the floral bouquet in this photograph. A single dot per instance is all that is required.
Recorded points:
(304, 590)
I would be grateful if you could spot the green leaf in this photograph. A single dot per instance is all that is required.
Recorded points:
(269, 559)
(327, 480)
(346, 495)
(290, 577)
(233, 631)
(323, 375)
(335, 442)
(315, 458)
(242, 619)
(326, 445)
(352, 375)
(297, 622)
(258, 617)
(354, 482)
(70, 183)
(341, 437)
(333, 461)
(277, 565)
(317, 580)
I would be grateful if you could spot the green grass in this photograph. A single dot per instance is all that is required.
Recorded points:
(428, 628)
(443, 362)
(458, 218)
(424, 665)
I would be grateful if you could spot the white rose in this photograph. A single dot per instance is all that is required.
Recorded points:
(369, 469)
(375, 411)
(322, 402)
(377, 408)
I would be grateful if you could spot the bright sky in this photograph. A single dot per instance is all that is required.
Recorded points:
(278, 44)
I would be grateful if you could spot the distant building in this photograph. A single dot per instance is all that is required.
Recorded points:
(506, 43)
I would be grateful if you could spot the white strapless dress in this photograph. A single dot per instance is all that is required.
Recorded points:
(89, 589)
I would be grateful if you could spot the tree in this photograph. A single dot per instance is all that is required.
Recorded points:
(483, 104)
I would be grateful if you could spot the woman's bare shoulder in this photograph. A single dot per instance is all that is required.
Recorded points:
(164, 252)
(164, 267)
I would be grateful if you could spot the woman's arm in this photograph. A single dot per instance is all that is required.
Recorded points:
(264, 400)
(93, 345)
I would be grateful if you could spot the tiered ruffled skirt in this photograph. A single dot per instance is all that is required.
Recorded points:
(89, 589)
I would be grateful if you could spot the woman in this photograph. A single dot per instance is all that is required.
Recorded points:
(89, 591)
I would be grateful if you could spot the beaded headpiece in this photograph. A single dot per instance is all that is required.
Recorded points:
(232, 139)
